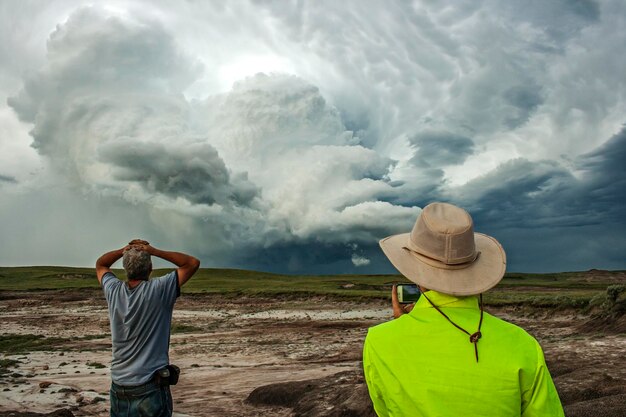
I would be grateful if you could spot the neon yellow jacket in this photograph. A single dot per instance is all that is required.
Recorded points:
(420, 365)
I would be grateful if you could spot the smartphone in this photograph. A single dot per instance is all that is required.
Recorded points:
(408, 293)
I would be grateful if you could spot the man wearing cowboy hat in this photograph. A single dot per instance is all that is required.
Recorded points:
(446, 357)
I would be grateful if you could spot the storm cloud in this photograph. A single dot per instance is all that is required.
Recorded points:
(545, 193)
(191, 171)
(7, 178)
(266, 163)
(564, 213)
(292, 136)
(440, 149)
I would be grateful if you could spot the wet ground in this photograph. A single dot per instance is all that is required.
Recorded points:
(300, 357)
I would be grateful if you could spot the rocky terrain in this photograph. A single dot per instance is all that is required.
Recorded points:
(255, 356)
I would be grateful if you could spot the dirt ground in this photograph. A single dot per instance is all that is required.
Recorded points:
(296, 357)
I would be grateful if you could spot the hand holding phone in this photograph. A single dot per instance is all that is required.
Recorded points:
(408, 293)
(398, 308)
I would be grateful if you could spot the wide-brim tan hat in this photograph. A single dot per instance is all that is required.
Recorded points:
(443, 253)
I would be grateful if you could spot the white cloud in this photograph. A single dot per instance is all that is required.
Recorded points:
(359, 260)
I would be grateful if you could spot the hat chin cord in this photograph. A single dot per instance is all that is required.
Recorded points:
(474, 337)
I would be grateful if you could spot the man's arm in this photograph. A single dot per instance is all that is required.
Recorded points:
(187, 264)
(399, 309)
(103, 264)
(542, 399)
(372, 380)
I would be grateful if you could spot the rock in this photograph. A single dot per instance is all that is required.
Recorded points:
(343, 394)
(45, 384)
(609, 406)
(285, 394)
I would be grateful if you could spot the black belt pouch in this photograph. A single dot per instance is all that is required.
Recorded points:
(168, 375)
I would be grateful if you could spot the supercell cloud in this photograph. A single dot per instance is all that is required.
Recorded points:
(291, 137)
(267, 163)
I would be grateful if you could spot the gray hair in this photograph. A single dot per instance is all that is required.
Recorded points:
(137, 264)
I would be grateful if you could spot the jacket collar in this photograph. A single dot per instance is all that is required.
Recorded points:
(446, 300)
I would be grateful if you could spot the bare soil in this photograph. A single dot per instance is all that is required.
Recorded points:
(266, 357)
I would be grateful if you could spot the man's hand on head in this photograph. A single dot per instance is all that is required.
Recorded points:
(142, 248)
(399, 309)
(141, 245)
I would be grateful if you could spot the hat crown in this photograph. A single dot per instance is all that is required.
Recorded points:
(445, 233)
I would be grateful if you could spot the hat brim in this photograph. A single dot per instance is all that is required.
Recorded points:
(481, 275)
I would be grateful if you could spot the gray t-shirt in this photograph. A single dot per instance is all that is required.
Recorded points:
(140, 326)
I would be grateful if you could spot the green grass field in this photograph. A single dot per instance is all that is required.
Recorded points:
(566, 289)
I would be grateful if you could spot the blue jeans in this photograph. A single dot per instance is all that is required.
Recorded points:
(147, 400)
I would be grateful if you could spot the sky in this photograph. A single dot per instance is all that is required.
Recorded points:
(292, 136)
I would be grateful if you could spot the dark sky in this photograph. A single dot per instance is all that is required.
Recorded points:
(292, 136)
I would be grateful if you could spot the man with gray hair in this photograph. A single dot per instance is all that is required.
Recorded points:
(140, 312)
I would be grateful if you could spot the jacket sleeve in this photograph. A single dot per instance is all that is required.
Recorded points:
(373, 380)
(542, 399)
